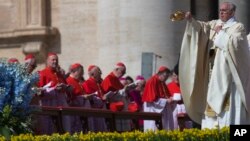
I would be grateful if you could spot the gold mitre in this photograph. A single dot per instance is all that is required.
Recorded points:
(177, 16)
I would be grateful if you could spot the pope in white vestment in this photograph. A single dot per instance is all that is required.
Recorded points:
(214, 70)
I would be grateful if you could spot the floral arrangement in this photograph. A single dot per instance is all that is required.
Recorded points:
(161, 135)
(16, 92)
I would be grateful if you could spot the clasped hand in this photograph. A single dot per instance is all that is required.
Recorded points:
(61, 86)
(217, 28)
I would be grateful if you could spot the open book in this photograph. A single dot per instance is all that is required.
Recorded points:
(89, 95)
(108, 95)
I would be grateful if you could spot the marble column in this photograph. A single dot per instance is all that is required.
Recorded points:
(205, 10)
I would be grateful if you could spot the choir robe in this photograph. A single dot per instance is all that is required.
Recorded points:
(113, 84)
(91, 86)
(77, 100)
(52, 98)
(178, 106)
(173, 87)
(155, 100)
(49, 75)
(135, 96)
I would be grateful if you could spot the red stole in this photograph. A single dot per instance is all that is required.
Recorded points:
(154, 89)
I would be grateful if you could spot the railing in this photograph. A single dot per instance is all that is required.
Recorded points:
(56, 114)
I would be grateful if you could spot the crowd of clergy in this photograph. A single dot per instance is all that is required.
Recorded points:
(117, 92)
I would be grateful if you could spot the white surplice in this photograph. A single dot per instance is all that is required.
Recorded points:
(159, 106)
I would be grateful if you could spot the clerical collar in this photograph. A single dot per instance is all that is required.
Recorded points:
(231, 20)
(228, 23)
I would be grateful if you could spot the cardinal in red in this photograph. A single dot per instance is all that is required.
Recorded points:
(93, 86)
(155, 87)
(93, 83)
(112, 82)
(74, 80)
(78, 97)
(157, 99)
(51, 73)
(54, 90)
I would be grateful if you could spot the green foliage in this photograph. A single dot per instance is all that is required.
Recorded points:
(162, 135)
(12, 124)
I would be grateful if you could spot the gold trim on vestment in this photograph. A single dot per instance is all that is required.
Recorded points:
(211, 113)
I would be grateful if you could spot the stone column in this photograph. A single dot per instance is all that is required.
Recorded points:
(242, 12)
(32, 22)
(204, 10)
(31, 13)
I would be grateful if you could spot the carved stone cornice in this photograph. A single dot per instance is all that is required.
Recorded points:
(26, 32)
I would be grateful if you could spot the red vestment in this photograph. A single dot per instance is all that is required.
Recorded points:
(173, 87)
(48, 75)
(154, 89)
(91, 86)
(111, 83)
(52, 98)
(76, 85)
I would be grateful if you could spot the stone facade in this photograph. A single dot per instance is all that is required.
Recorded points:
(100, 32)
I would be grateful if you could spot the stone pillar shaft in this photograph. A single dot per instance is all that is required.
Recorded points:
(31, 13)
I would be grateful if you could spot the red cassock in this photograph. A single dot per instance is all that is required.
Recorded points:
(76, 85)
(173, 87)
(91, 86)
(111, 83)
(48, 75)
(154, 89)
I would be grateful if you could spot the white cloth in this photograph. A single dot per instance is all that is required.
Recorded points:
(248, 39)
(175, 115)
(159, 106)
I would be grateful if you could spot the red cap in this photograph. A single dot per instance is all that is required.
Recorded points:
(13, 60)
(51, 54)
(133, 107)
(29, 56)
(116, 106)
(91, 67)
(120, 64)
(74, 66)
(163, 68)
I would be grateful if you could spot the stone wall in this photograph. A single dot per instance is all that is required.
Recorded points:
(105, 32)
